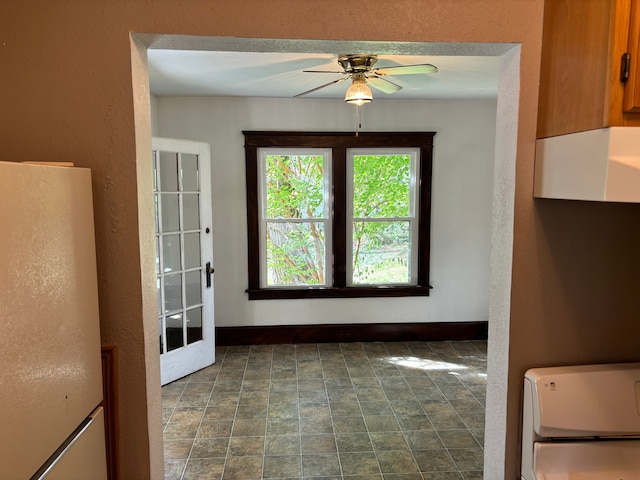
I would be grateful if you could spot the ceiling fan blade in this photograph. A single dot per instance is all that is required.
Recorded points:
(406, 69)
(318, 88)
(326, 71)
(383, 84)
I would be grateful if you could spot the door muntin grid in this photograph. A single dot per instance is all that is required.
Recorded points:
(179, 270)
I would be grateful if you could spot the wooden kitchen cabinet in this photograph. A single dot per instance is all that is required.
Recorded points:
(582, 56)
(631, 103)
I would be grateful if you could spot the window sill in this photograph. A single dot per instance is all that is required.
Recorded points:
(337, 292)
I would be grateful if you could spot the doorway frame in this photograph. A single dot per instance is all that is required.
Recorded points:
(503, 195)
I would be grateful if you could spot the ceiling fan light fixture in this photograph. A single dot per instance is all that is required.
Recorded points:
(358, 93)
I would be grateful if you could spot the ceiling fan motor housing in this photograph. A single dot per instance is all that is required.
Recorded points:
(357, 63)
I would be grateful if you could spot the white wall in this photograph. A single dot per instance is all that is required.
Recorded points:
(461, 201)
(153, 106)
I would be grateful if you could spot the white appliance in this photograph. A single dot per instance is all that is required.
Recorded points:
(582, 423)
(51, 421)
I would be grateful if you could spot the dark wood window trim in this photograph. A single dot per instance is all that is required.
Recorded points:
(338, 143)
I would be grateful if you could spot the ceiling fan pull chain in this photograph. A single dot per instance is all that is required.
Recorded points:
(358, 119)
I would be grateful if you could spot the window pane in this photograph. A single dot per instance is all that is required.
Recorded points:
(381, 252)
(154, 158)
(189, 172)
(172, 292)
(381, 186)
(194, 325)
(191, 211)
(191, 250)
(193, 288)
(175, 338)
(155, 210)
(159, 294)
(295, 254)
(170, 212)
(168, 171)
(295, 186)
(157, 256)
(171, 253)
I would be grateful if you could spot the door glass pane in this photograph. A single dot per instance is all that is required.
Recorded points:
(155, 210)
(191, 211)
(381, 186)
(189, 173)
(171, 253)
(170, 212)
(194, 325)
(159, 295)
(172, 292)
(381, 252)
(194, 288)
(295, 253)
(295, 186)
(157, 257)
(191, 250)
(174, 332)
(168, 171)
(154, 159)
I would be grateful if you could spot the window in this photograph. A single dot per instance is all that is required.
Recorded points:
(338, 215)
(294, 211)
(382, 221)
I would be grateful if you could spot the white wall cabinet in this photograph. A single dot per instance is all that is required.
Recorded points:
(597, 165)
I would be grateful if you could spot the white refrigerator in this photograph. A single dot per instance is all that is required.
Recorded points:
(51, 421)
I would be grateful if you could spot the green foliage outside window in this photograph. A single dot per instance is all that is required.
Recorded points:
(295, 189)
(381, 191)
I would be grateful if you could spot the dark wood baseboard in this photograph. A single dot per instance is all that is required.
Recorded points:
(370, 332)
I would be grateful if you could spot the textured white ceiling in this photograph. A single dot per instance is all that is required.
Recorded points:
(174, 72)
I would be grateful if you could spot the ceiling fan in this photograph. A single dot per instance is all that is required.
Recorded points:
(359, 68)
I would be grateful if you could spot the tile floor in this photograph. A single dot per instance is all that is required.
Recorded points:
(353, 411)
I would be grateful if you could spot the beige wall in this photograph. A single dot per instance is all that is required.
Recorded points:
(66, 94)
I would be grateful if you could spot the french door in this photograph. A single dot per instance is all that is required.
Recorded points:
(184, 249)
